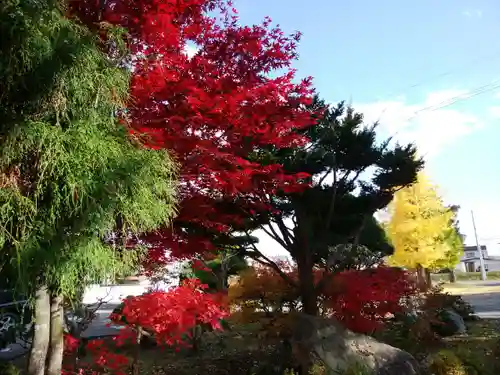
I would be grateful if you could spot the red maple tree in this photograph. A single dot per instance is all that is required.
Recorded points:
(212, 110)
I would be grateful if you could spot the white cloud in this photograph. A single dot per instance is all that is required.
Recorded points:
(431, 128)
(473, 13)
(438, 98)
(494, 111)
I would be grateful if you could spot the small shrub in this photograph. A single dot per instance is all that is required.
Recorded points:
(358, 369)
(476, 360)
(318, 369)
(445, 362)
(438, 298)
(413, 332)
(362, 300)
(432, 308)
(7, 368)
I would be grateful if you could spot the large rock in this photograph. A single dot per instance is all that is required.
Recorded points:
(340, 349)
(458, 321)
(450, 323)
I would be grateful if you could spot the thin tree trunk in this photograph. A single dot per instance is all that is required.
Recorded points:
(136, 370)
(55, 354)
(221, 277)
(453, 276)
(428, 278)
(308, 294)
(41, 333)
(422, 278)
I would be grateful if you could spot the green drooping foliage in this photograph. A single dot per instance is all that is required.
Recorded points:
(68, 169)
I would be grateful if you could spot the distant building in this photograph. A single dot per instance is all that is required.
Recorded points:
(470, 261)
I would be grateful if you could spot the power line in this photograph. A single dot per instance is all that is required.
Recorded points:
(446, 73)
(438, 76)
(495, 84)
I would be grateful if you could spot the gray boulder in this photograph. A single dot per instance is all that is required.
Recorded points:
(458, 321)
(340, 349)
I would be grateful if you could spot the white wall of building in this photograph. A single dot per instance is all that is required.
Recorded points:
(114, 294)
(470, 260)
(489, 264)
(460, 267)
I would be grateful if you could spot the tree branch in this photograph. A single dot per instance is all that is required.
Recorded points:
(285, 231)
(275, 237)
(259, 257)
(356, 176)
(325, 176)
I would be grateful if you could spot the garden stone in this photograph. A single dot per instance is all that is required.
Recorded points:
(340, 349)
(449, 323)
(457, 320)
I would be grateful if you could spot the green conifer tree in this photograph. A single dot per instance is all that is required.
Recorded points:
(331, 225)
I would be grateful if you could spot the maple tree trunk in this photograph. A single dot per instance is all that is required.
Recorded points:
(41, 333)
(56, 349)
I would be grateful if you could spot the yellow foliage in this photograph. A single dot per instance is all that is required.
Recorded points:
(417, 225)
(446, 362)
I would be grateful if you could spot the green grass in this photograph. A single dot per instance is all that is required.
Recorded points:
(480, 350)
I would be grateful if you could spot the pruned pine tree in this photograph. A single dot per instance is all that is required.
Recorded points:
(68, 169)
(352, 175)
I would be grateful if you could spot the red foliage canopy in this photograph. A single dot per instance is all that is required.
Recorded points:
(212, 109)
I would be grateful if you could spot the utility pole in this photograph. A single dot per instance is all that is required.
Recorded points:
(481, 259)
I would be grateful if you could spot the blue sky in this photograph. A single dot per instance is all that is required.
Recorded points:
(392, 58)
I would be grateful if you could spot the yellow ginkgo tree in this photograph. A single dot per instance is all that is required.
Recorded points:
(417, 224)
